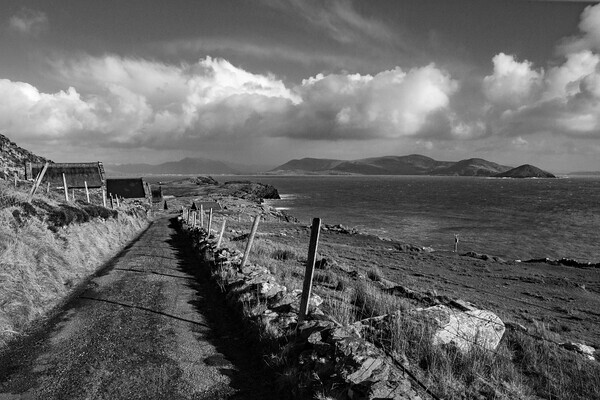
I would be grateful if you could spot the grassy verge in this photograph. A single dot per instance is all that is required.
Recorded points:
(522, 367)
(47, 249)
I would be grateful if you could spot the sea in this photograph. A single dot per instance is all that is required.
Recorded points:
(510, 218)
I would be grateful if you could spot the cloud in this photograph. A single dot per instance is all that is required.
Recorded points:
(28, 22)
(563, 100)
(390, 104)
(337, 18)
(513, 83)
(116, 101)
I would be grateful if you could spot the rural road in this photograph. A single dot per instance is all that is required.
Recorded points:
(150, 326)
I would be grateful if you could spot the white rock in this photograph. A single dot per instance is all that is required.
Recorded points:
(466, 329)
(587, 351)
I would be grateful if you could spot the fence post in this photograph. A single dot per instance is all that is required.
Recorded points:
(16, 175)
(66, 188)
(310, 268)
(222, 232)
(103, 197)
(194, 214)
(118, 203)
(37, 182)
(250, 241)
(201, 216)
(87, 192)
(209, 222)
(48, 188)
(456, 243)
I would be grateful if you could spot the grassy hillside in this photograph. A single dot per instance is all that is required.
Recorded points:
(48, 247)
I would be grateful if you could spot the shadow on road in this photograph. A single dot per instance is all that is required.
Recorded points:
(250, 376)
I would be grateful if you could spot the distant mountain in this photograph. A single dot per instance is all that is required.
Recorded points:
(413, 164)
(185, 166)
(13, 157)
(525, 171)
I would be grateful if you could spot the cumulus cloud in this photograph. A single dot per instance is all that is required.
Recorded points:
(131, 102)
(564, 100)
(28, 22)
(391, 104)
(513, 83)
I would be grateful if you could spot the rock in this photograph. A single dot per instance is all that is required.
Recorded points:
(587, 351)
(465, 329)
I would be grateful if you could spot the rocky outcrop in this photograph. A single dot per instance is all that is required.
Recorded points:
(251, 190)
(13, 158)
(525, 171)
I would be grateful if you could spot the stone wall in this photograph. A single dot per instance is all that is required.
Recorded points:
(326, 356)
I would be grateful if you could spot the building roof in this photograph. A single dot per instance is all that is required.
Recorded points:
(128, 188)
(76, 174)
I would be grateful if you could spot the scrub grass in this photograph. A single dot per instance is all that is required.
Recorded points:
(48, 248)
(522, 367)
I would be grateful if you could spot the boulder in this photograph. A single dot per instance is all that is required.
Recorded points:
(465, 329)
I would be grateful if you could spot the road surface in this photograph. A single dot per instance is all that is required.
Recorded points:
(150, 326)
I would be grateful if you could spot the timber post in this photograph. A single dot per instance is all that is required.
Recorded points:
(250, 241)
(310, 268)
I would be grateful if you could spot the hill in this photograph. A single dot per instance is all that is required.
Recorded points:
(413, 164)
(184, 166)
(525, 171)
(13, 157)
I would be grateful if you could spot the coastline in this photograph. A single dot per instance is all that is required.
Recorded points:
(562, 298)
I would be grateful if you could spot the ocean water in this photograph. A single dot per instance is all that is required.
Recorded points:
(512, 218)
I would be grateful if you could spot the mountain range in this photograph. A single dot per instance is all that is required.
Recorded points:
(413, 164)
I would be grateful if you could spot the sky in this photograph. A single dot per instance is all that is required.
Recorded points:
(265, 81)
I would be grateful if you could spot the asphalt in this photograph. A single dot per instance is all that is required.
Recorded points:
(150, 326)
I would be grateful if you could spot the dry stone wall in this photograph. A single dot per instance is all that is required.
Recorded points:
(327, 357)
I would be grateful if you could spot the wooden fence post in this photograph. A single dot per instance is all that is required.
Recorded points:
(250, 241)
(66, 188)
(456, 243)
(48, 188)
(222, 232)
(194, 219)
(38, 180)
(310, 268)
(103, 197)
(16, 175)
(209, 222)
(87, 192)
(201, 216)
(118, 203)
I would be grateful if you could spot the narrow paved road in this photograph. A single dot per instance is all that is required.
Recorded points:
(150, 327)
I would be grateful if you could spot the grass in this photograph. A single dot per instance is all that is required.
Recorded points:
(522, 367)
(46, 251)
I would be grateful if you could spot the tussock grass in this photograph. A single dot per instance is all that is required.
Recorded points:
(40, 266)
(522, 367)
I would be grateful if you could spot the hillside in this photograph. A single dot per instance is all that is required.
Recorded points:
(13, 157)
(525, 171)
(413, 164)
(184, 166)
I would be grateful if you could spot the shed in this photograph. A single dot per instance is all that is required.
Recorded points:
(128, 188)
(76, 174)
(207, 205)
